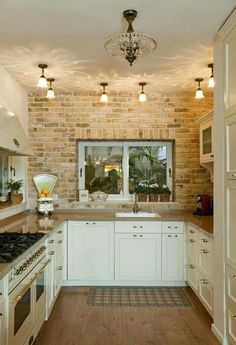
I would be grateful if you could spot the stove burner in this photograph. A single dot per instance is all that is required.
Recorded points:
(13, 244)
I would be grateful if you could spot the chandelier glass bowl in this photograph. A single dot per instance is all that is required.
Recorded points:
(130, 45)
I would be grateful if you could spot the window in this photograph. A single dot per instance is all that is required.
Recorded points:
(115, 166)
(3, 175)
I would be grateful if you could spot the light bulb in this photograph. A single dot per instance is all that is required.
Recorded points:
(199, 93)
(50, 93)
(211, 81)
(42, 82)
(142, 97)
(104, 97)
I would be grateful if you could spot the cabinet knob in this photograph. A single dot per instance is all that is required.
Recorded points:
(204, 251)
(52, 252)
(141, 227)
(204, 281)
(140, 235)
(192, 231)
(169, 236)
(51, 241)
(60, 241)
(59, 232)
(233, 175)
(234, 276)
(212, 155)
(191, 240)
(191, 266)
(176, 235)
(60, 268)
(134, 235)
(134, 226)
(204, 240)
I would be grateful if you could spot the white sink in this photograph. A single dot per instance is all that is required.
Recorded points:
(137, 215)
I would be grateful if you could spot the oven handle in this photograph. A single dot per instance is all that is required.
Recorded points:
(19, 297)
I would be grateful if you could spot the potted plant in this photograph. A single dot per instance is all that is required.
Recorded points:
(142, 190)
(165, 193)
(14, 189)
(154, 191)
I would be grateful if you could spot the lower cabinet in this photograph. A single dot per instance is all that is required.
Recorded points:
(137, 256)
(172, 257)
(90, 250)
(231, 304)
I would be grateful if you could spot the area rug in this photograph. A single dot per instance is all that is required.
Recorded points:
(138, 296)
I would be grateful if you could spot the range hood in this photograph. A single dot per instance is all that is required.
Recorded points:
(13, 141)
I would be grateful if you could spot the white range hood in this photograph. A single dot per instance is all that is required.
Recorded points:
(13, 141)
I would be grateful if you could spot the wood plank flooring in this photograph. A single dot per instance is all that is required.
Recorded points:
(72, 322)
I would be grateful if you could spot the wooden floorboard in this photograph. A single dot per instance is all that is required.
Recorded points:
(72, 322)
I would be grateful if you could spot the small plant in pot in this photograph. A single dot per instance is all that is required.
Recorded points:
(154, 191)
(165, 193)
(14, 190)
(142, 190)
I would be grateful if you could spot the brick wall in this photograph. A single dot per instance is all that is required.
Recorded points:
(56, 125)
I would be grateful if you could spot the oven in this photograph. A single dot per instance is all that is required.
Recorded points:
(27, 302)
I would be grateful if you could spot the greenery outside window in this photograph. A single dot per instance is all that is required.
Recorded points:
(115, 167)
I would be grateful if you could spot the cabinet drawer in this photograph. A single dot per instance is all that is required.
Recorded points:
(231, 284)
(138, 226)
(231, 321)
(206, 262)
(172, 227)
(205, 241)
(192, 250)
(192, 233)
(205, 292)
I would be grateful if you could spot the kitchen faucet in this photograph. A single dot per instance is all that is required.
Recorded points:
(136, 207)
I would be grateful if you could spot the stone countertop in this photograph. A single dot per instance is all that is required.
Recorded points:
(32, 222)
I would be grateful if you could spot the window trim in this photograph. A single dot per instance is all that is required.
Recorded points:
(125, 196)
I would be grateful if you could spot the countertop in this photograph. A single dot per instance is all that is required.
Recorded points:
(32, 222)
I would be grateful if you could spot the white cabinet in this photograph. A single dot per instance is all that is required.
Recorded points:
(137, 256)
(206, 292)
(90, 250)
(56, 252)
(230, 226)
(148, 227)
(172, 257)
(230, 154)
(206, 138)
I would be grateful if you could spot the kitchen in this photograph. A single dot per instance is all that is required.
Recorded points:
(69, 133)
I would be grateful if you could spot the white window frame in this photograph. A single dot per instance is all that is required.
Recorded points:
(125, 163)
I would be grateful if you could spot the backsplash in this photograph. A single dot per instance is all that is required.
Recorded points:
(56, 125)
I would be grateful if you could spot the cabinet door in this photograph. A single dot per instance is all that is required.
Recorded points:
(206, 292)
(230, 154)
(172, 257)
(230, 72)
(231, 321)
(206, 262)
(206, 144)
(192, 249)
(59, 258)
(192, 275)
(90, 250)
(230, 207)
(138, 256)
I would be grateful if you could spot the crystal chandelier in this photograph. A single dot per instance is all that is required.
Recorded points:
(130, 45)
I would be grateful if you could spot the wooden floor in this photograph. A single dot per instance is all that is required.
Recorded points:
(72, 322)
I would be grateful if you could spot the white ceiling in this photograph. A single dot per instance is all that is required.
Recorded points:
(69, 36)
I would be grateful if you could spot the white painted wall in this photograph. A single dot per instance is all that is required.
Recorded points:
(15, 98)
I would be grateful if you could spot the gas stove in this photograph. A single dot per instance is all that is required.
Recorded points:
(13, 244)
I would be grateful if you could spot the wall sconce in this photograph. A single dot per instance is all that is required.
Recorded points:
(142, 95)
(104, 96)
(199, 93)
(211, 81)
(50, 93)
(42, 80)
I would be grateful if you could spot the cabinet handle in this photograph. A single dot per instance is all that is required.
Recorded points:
(191, 240)
(59, 232)
(191, 266)
(141, 227)
(234, 276)
(51, 241)
(60, 241)
(134, 235)
(176, 227)
(52, 252)
(140, 235)
(233, 175)
(211, 155)
(169, 236)
(60, 268)
(204, 240)
(169, 227)
(204, 281)
(204, 251)
(192, 231)
(176, 235)
(134, 226)
(234, 316)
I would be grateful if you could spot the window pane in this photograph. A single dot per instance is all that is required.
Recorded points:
(147, 163)
(3, 175)
(103, 169)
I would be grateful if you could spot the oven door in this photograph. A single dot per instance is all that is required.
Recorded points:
(40, 290)
(21, 312)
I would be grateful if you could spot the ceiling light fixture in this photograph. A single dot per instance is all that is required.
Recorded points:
(130, 45)
(211, 81)
(104, 96)
(142, 95)
(42, 80)
(199, 93)
(50, 93)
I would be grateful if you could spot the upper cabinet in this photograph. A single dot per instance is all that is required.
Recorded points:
(230, 69)
(206, 135)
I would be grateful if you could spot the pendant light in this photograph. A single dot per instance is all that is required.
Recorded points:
(199, 93)
(142, 95)
(104, 96)
(42, 80)
(50, 93)
(211, 81)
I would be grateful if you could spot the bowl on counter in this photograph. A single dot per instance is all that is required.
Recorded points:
(98, 196)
